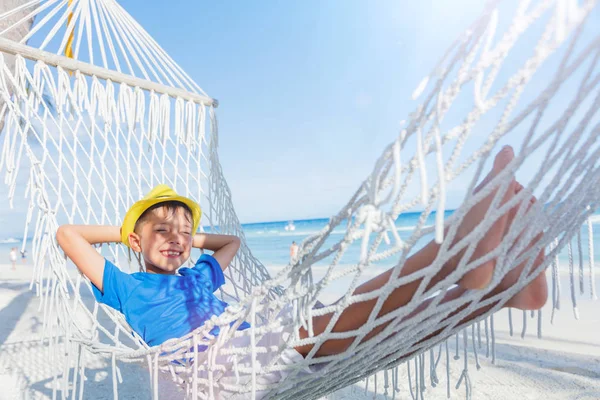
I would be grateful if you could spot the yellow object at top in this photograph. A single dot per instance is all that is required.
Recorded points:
(159, 194)
(69, 48)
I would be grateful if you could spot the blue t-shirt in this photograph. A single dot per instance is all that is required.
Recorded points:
(161, 307)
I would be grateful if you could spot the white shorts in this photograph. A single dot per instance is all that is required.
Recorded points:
(287, 362)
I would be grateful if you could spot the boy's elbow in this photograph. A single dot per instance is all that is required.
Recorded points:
(62, 233)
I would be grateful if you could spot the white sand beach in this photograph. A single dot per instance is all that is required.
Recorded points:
(565, 364)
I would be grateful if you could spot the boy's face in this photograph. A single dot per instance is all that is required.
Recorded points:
(164, 239)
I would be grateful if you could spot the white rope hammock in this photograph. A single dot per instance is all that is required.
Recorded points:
(124, 117)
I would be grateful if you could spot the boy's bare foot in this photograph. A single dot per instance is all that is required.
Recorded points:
(481, 276)
(534, 295)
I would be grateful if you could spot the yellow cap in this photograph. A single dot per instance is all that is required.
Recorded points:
(159, 194)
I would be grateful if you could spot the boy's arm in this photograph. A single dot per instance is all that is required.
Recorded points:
(224, 246)
(77, 240)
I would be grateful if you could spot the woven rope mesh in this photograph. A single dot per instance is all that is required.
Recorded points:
(89, 146)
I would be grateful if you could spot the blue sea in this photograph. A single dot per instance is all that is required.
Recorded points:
(270, 241)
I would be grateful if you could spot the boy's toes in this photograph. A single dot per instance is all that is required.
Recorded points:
(504, 156)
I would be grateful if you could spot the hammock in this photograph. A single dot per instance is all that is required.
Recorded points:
(87, 135)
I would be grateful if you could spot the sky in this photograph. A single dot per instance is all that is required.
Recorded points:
(309, 92)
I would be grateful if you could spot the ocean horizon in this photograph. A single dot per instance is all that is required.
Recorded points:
(270, 241)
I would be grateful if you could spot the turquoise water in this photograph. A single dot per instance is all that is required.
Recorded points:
(270, 241)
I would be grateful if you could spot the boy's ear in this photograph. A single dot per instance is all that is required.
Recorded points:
(135, 242)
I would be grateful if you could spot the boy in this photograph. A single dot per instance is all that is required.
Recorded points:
(165, 302)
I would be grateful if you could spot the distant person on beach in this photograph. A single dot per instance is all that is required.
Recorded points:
(23, 256)
(168, 301)
(13, 257)
(293, 253)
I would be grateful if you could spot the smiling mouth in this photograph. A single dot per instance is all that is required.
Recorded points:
(171, 253)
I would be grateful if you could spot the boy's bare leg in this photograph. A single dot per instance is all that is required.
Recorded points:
(355, 315)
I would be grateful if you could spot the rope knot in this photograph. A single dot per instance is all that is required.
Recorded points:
(372, 217)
